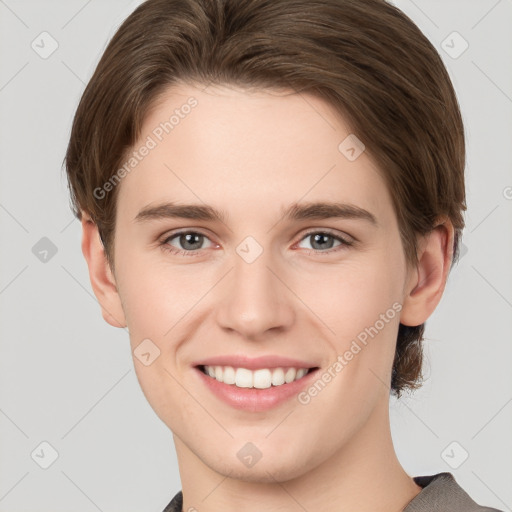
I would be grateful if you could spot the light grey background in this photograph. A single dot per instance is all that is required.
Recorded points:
(67, 377)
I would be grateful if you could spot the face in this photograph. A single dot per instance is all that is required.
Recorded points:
(264, 286)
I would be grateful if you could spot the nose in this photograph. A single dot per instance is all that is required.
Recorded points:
(254, 299)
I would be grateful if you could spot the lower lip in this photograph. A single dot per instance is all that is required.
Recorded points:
(252, 399)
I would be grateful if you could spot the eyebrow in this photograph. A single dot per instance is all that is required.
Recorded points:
(296, 211)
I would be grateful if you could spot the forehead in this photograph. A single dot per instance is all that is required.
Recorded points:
(244, 149)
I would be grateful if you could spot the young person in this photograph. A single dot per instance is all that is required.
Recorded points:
(272, 196)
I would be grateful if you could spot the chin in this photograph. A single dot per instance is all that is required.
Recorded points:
(269, 471)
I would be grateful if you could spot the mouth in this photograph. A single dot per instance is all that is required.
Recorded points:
(255, 384)
(262, 378)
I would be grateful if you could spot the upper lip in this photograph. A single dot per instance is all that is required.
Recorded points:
(268, 361)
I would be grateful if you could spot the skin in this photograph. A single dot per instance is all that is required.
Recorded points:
(252, 154)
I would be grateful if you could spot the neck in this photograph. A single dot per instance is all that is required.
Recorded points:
(364, 475)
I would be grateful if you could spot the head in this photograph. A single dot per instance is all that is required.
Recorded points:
(250, 107)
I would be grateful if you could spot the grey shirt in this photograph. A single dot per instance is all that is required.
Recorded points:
(440, 493)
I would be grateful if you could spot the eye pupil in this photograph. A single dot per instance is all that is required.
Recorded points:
(191, 241)
(317, 239)
(188, 238)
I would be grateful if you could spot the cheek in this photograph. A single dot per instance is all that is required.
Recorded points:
(351, 297)
(156, 296)
(341, 300)
(361, 305)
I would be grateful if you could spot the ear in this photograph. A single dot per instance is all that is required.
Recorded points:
(102, 279)
(426, 283)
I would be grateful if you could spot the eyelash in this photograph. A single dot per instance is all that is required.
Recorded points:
(164, 244)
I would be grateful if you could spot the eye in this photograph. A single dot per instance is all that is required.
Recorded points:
(189, 241)
(322, 242)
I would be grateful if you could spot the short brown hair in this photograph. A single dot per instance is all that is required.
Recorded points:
(366, 58)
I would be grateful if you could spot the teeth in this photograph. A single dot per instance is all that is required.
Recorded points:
(243, 377)
(259, 379)
(229, 376)
(301, 372)
(262, 379)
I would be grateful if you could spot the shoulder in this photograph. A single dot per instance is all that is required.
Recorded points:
(439, 492)
(176, 504)
(442, 492)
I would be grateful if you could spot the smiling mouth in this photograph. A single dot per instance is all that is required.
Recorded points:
(262, 378)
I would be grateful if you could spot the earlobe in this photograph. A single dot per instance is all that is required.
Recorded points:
(102, 279)
(426, 284)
